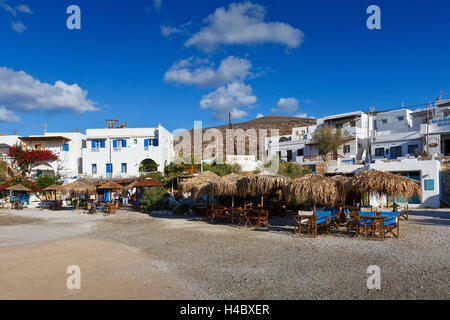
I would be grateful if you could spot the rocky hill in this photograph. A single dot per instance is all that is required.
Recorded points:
(282, 123)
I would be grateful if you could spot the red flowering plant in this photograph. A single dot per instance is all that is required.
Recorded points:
(25, 160)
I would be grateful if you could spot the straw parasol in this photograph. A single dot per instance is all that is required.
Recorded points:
(387, 183)
(111, 185)
(53, 188)
(318, 188)
(227, 186)
(203, 178)
(78, 188)
(344, 185)
(261, 184)
(18, 187)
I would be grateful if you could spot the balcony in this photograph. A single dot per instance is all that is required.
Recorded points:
(95, 150)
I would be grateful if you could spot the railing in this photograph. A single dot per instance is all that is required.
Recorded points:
(109, 176)
(319, 158)
(95, 150)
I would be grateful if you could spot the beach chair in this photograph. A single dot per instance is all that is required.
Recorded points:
(321, 220)
(302, 222)
(391, 223)
(351, 220)
(404, 212)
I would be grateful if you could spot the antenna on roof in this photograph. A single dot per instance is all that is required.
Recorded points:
(111, 123)
(45, 127)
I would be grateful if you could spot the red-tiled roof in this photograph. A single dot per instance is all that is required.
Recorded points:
(149, 183)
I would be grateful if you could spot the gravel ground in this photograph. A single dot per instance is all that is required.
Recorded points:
(226, 262)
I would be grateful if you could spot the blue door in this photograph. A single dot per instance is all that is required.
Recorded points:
(109, 170)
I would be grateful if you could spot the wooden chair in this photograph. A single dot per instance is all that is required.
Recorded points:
(371, 225)
(352, 220)
(302, 223)
(405, 212)
(391, 223)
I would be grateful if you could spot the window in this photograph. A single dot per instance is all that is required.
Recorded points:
(401, 118)
(396, 152)
(124, 168)
(384, 121)
(96, 144)
(346, 149)
(339, 125)
(429, 185)
(37, 147)
(353, 123)
(94, 168)
(150, 142)
(379, 152)
(289, 156)
(300, 152)
(413, 149)
(135, 141)
(66, 147)
(119, 144)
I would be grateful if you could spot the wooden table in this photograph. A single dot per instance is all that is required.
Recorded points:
(110, 208)
(373, 227)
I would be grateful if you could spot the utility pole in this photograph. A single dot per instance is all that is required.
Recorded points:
(428, 132)
(45, 128)
(111, 123)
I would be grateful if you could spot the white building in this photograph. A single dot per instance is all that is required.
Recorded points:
(356, 128)
(7, 141)
(67, 146)
(119, 152)
(428, 172)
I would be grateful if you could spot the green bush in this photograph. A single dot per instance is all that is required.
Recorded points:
(293, 170)
(222, 169)
(181, 209)
(155, 199)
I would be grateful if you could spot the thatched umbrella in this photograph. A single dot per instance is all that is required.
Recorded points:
(344, 185)
(111, 186)
(17, 188)
(261, 184)
(53, 188)
(200, 185)
(318, 188)
(132, 185)
(227, 186)
(78, 188)
(387, 183)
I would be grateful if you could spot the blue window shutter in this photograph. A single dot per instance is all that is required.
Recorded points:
(146, 143)
(102, 143)
(124, 143)
(66, 147)
(114, 143)
(93, 144)
(429, 185)
(156, 142)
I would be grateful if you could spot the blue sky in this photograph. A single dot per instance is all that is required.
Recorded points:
(173, 62)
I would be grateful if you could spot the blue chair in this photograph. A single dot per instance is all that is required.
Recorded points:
(391, 223)
(320, 220)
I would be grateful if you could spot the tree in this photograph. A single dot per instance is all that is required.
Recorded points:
(148, 165)
(328, 141)
(24, 160)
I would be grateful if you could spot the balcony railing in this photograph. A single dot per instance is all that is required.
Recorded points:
(95, 150)
(319, 158)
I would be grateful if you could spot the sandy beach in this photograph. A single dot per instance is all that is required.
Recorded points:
(136, 256)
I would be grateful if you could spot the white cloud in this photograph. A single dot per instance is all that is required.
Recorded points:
(18, 26)
(167, 31)
(259, 115)
(230, 98)
(21, 92)
(22, 8)
(286, 105)
(199, 72)
(243, 24)
(301, 115)
(8, 116)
